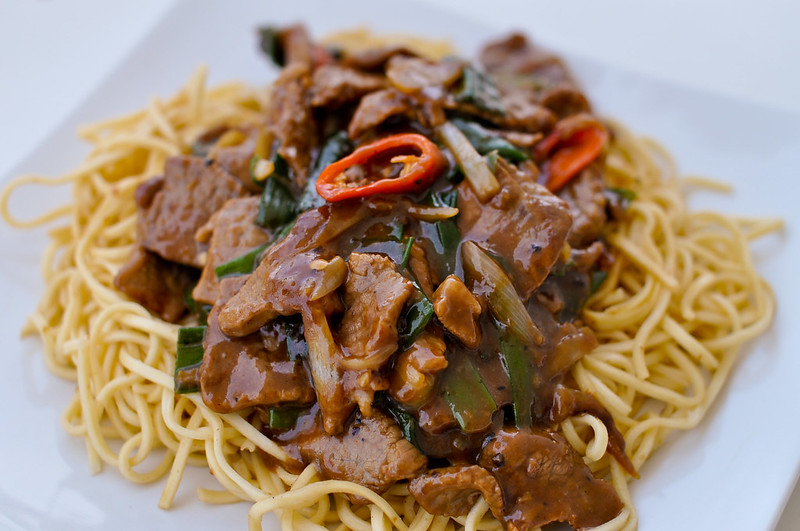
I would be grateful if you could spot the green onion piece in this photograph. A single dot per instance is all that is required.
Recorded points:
(409, 243)
(200, 310)
(478, 90)
(518, 362)
(398, 229)
(283, 418)
(278, 206)
(296, 345)
(465, 392)
(447, 237)
(241, 265)
(504, 301)
(476, 170)
(278, 167)
(625, 193)
(337, 146)
(189, 358)
(598, 277)
(415, 318)
(486, 141)
(491, 160)
(406, 421)
(270, 44)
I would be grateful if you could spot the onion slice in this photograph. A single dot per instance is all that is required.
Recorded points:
(503, 299)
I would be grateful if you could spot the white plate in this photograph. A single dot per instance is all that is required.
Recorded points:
(733, 472)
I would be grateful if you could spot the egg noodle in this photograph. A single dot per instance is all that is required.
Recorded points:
(680, 300)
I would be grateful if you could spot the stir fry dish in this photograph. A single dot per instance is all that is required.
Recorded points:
(388, 273)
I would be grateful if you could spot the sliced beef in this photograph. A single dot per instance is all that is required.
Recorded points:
(374, 59)
(296, 45)
(158, 285)
(172, 209)
(454, 491)
(287, 277)
(233, 233)
(587, 203)
(413, 377)
(524, 113)
(458, 310)
(334, 85)
(410, 74)
(525, 72)
(374, 296)
(235, 157)
(544, 480)
(523, 223)
(515, 55)
(291, 121)
(240, 372)
(371, 452)
(377, 107)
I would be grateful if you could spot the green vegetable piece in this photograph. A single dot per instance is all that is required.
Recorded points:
(478, 90)
(625, 193)
(398, 229)
(465, 392)
(337, 146)
(409, 242)
(283, 418)
(517, 361)
(279, 167)
(241, 265)
(415, 318)
(200, 310)
(447, 237)
(278, 206)
(598, 277)
(486, 141)
(188, 359)
(296, 345)
(406, 421)
(270, 44)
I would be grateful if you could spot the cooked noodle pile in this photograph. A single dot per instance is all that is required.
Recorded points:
(679, 302)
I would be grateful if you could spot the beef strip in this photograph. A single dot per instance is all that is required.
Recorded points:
(544, 480)
(413, 377)
(516, 56)
(410, 74)
(458, 310)
(233, 233)
(525, 72)
(375, 59)
(285, 279)
(379, 106)
(240, 372)
(374, 295)
(587, 203)
(334, 85)
(236, 158)
(172, 209)
(523, 223)
(291, 121)
(158, 285)
(454, 491)
(296, 45)
(371, 452)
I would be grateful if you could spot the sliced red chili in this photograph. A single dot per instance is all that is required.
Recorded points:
(370, 169)
(572, 153)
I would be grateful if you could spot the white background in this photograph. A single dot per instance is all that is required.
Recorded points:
(53, 53)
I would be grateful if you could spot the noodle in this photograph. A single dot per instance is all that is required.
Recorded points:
(680, 300)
